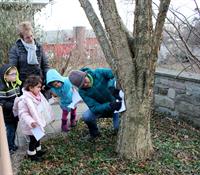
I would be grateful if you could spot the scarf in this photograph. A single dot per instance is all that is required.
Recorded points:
(31, 56)
(37, 97)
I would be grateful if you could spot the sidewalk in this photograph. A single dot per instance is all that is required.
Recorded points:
(55, 127)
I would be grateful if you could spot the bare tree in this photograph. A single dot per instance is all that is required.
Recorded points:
(184, 35)
(132, 57)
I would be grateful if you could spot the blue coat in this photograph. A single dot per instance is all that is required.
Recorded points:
(64, 92)
(98, 97)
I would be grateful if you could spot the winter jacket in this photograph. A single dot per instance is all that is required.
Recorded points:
(30, 110)
(98, 96)
(64, 92)
(18, 58)
(8, 92)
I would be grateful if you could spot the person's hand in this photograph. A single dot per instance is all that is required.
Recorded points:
(34, 125)
(115, 105)
(115, 93)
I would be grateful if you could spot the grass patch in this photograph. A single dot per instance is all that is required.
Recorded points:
(176, 147)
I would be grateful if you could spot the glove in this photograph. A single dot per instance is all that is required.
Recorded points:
(115, 93)
(115, 105)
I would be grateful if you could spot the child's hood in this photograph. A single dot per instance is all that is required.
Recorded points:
(3, 71)
(54, 75)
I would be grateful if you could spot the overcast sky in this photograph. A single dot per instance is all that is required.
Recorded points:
(65, 14)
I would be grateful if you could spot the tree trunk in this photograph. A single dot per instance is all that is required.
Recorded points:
(135, 138)
(132, 59)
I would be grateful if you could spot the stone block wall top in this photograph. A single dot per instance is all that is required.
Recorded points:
(178, 94)
(192, 77)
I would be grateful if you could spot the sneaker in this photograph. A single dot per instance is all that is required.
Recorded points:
(11, 151)
(115, 132)
(15, 148)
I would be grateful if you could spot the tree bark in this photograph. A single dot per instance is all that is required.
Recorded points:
(134, 63)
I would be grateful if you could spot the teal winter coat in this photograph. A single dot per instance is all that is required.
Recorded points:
(98, 96)
(64, 92)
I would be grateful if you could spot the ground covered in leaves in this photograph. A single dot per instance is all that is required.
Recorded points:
(176, 145)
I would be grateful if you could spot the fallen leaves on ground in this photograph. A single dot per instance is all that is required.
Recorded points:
(176, 146)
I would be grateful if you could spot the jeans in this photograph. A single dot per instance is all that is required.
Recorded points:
(10, 131)
(91, 120)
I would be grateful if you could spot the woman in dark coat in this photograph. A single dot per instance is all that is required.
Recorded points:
(27, 54)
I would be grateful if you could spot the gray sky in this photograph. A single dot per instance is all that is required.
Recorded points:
(65, 14)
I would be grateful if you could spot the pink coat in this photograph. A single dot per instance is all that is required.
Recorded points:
(29, 110)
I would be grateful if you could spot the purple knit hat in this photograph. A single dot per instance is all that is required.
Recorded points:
(77, 78)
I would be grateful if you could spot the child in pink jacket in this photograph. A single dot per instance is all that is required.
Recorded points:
(33, 111)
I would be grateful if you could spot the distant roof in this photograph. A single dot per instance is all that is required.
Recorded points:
(60, 50)
(62, 36)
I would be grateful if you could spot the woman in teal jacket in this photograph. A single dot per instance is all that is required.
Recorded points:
(94, 86)
(62, 87)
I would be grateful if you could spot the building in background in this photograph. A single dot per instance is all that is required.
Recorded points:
(79, 42)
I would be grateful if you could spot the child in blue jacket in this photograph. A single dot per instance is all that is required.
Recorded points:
(62, 87)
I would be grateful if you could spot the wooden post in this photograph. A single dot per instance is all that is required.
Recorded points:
(5, 162)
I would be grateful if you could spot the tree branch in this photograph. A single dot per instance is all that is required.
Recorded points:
(118, 37)
(163, 8)
(99, 31)
(197, 7)
(185, 44)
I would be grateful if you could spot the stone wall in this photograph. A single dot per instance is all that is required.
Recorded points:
(178, 95)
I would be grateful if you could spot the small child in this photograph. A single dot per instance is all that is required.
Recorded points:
(33, 110)
(62, 87)
(9, 90)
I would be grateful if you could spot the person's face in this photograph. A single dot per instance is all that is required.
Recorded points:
(28, 37)
(56, 84)
(36, 89)
(11, 75)
(86, 83)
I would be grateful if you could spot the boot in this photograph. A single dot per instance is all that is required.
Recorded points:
(91, 138)
(33, 156)
(64, 126)
(73, 121)
(40, 152)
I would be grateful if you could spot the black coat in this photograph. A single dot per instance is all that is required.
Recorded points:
(7, 96)
(18, 58)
